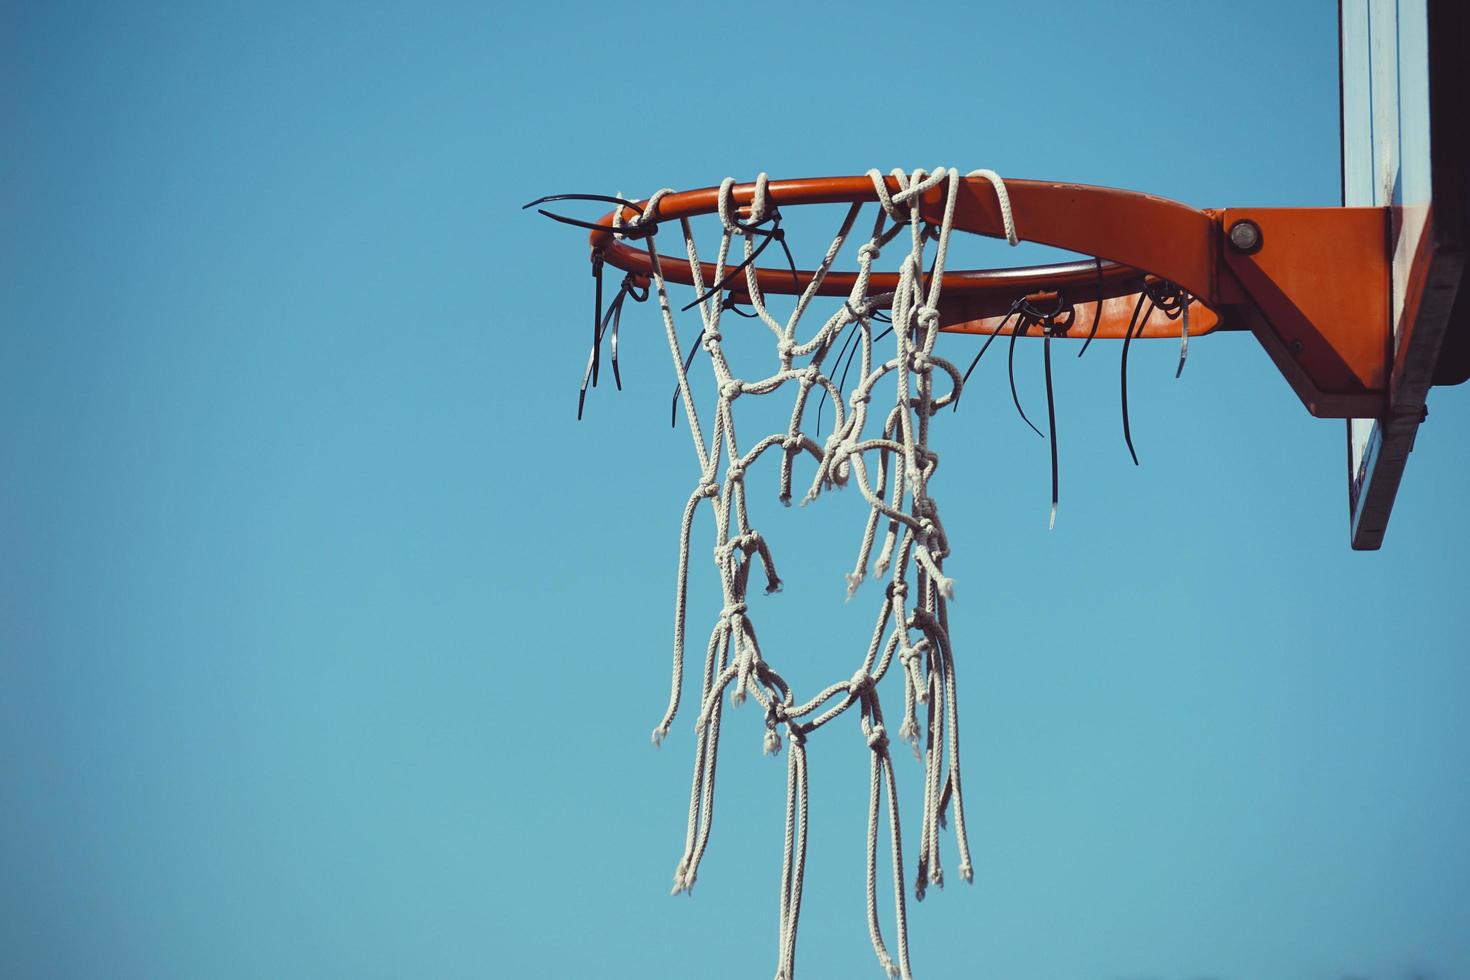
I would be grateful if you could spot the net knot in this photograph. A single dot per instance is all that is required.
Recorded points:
(877, 738)
(897, 590)
(859, 397)
(928, 317)
(748, 542)
(734, 473)
(709, 488)
(868, 252)
(895, 210)
(732, 389)
(711, 340)
(733, 611)
(909, 655)
(791, 443)
(861, 683)
(785, 349)
(646, 217)
(811, 373)
(931, 536)
(920, 363)
(775, 716)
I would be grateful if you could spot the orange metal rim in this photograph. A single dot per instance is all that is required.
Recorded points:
(1080, 218)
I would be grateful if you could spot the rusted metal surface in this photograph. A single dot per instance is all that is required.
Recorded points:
(1312, 287)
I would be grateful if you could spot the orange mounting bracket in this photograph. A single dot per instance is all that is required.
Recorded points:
(1312, 284)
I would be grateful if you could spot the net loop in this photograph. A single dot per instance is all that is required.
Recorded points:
(1003, 198)
(759, 209)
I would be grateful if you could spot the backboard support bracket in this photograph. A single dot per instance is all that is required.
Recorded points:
(1314, 291)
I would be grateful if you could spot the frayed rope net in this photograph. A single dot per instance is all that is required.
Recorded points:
(886, 454)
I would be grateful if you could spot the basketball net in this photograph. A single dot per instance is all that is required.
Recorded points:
(886, 454)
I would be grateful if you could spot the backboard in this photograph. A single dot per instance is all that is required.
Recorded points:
(1405, 105)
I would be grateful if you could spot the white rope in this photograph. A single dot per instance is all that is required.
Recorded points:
(912, 615)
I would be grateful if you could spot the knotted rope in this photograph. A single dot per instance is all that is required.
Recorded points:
(913, 615)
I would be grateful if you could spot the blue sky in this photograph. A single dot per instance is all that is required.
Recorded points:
(330, 641)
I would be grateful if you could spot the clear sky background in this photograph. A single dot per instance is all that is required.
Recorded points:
(330, 642)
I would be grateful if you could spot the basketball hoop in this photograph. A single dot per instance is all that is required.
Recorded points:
(1294, 277)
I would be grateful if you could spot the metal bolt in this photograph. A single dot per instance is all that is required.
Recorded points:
(1296, 346)
(1245, 236)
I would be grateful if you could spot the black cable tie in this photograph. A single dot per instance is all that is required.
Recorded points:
(612, 315)
(1183, 340)
(639, 231)
(646, 230)
(986, 346)
(674, 407)
(1020, 328)
(1128, 339)
(780, 236)
(852, 332)
(1097, 310)
(606, 198)
(729, 304)
(725, 279)
(1051, 417)
(617, 319)
(596, 315)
